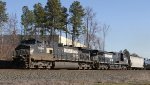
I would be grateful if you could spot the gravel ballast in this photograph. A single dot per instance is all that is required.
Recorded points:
(71, 77)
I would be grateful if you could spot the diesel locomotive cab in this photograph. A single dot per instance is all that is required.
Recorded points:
(33, 54)
(21, 55)
(94, 55)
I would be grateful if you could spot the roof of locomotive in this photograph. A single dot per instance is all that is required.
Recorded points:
(30, 41)
(27, 43)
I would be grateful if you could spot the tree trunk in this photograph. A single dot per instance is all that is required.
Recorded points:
(66, 34)
(73, 36)
(87, 33)
(60, 36)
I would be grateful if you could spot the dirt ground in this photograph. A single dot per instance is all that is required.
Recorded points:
(74, 77)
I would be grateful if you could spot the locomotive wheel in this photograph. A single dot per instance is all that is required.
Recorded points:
(26, 65)
(106, 67)
(124, 68)
(88, 68)
(96, 66)
(103, 68)
(36, 66)
(80, 68)
(53, 65)
(44, 67)
(48, 67)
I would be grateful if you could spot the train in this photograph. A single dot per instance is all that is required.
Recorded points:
(34, 54)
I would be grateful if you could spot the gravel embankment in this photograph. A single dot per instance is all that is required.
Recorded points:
(71, 77)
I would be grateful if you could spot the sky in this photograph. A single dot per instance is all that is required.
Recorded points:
(129, 21)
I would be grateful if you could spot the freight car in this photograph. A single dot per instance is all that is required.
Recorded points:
(136, 62)
(35, 54)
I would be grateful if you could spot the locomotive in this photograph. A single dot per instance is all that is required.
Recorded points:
(35, 54)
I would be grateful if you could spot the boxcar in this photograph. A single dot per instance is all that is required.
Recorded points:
(136, 62)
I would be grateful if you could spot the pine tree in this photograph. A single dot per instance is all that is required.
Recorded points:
(40, 19)
(27, 20)
(3, 14)
(64, 21)
(127, 54)
(77, 14)
(64, 18)
(3, 19)
(53, 14)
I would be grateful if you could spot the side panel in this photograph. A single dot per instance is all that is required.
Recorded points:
(42, 57)
(108, 55)
(67, 65)
(137, 62)
(109, 58)
(67, 50)
(66, 53)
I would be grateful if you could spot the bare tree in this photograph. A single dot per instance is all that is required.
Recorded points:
(105, 29)
(92, 37)
(11, 38)
(98, 43)
(11, 27)
(88, 23)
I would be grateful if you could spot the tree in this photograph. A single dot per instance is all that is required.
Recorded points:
(64, 21)
(127, 54)
(77, 13)
(11, 38)
(40, 19)
(88, 23)
(135, 55)
(92, 35)
(3, 14)
(27, 20)
(11, 26)
(105, 29)
(3, 20)
(53, 15)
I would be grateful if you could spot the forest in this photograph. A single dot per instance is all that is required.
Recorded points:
(77, 23)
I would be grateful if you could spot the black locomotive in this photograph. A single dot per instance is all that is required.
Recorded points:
(35, 54)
